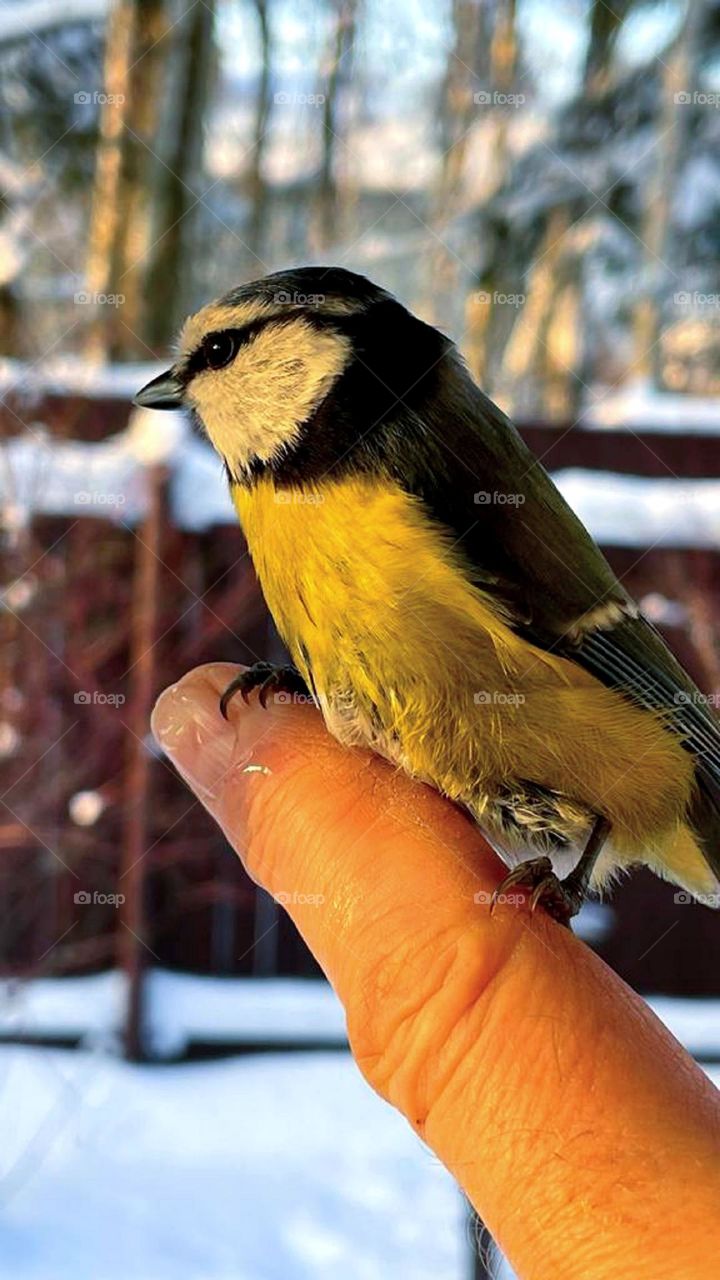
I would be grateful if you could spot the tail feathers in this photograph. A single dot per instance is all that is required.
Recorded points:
(704, 820)
(684, 862)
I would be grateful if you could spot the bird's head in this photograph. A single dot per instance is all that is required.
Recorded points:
(292, 372)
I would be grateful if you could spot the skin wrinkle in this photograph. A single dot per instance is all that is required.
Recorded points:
(419, 1057)
(446, 1016)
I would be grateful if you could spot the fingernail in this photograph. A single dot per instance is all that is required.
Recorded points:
(189, 727)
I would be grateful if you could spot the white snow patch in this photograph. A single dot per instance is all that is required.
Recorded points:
(109, 480)
(260, 1168)
(637, 511)
(69, 375)
(637, 406)
(180, 1007)
(18, 21)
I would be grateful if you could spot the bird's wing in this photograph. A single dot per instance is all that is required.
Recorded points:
(528, 547)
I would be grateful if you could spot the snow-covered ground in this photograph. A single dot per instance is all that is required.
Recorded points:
(274, 1166)
(282, 1167)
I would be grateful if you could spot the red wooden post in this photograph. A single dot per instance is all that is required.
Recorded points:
(133, 946)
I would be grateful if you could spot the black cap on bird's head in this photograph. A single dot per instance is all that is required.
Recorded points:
(297, 368)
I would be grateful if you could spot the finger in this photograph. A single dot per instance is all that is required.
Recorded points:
(582, 1132)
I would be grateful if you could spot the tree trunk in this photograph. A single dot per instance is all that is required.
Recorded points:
(148, 174)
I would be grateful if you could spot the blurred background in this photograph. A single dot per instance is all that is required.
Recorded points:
(543, 182)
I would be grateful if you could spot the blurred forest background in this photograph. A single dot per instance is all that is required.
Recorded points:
(542, 181)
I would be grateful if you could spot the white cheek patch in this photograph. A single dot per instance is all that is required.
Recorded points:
(255, 408)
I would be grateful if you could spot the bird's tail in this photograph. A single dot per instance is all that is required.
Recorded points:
(691, 855)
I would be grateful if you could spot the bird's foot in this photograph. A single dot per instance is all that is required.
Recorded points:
(562, 899)
(285, 683)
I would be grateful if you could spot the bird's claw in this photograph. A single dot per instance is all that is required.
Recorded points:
(557, 896)
(269, 678)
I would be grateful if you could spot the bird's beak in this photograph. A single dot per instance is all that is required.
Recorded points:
(164, 392)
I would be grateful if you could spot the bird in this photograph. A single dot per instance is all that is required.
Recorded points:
(440, 601)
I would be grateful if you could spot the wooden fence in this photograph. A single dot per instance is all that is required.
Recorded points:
(104, 617)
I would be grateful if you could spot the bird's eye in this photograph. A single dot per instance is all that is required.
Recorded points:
(219, 349)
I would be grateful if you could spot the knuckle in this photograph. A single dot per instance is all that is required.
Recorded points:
(419, 1013)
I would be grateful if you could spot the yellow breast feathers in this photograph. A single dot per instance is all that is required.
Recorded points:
(408, 655)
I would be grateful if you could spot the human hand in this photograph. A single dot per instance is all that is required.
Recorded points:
(583, 1133)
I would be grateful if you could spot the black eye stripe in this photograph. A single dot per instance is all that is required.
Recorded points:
(198, 361)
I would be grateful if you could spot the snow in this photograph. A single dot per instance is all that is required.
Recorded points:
(72, 478)
(183, 1007)
(108, 479)
(69, 375)
(85, 1007)
(636, 511)
(262, 1167)
(280, 1166)
(258, 1168)
(636, 406)
(188, 1007)
(199, 496)
(16, 20)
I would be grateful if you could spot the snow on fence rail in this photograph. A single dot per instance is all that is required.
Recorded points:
(49, 476)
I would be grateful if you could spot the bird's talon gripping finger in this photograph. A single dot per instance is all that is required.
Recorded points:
(228, 694)
(243, 683)
(265, 688)
(534, 872)
(547, 890)
(269, 678)
(545, 886)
